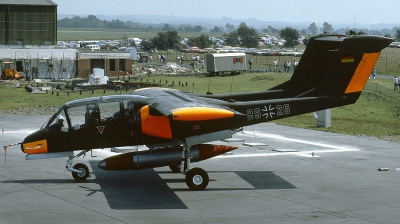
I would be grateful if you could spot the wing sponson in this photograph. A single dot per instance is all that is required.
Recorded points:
(200, 114)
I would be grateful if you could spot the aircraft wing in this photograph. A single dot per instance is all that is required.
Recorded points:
(173, 114)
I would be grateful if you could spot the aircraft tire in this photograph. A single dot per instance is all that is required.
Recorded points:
(83, 174)
(197, 179)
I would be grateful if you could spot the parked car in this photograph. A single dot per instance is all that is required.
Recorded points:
(274, 52)
(286, 53)
(193, 50)
(298, 53)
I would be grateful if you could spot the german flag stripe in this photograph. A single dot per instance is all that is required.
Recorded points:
(347, 59)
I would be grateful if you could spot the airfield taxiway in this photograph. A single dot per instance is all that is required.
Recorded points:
(294, 176)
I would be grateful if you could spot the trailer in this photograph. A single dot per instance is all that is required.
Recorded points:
(226, 63)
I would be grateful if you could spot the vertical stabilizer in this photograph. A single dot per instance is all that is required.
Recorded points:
(336, 64)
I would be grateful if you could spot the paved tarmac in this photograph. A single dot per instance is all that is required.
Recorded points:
(279, 182)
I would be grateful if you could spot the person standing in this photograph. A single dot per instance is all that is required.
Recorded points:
(275, 65)
(250, 62)
(373, 73)
(284, 66)
(294, 65)
(396, 84)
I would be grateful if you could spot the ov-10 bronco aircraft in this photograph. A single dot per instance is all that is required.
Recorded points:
(175, 125)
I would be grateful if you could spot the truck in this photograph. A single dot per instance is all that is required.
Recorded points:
(143, 57)
(8, 73)
(226, 63)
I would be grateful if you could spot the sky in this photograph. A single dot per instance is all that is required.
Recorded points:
(318, 11)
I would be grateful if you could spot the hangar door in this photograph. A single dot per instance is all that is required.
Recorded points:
(97, 63)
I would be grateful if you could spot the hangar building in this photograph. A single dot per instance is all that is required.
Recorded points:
(28, 22)
(28, 41)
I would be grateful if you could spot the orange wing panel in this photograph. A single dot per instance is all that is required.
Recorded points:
(362, 72)
(200, 114)
(157, 126)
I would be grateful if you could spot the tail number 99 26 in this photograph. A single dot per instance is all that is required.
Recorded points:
(268, 112)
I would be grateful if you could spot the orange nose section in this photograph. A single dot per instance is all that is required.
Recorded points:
(36, 147)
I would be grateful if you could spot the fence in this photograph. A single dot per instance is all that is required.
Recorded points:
(378, 94)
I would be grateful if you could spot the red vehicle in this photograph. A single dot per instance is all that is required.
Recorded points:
(193, 50)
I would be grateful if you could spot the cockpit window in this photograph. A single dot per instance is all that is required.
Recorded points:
(111, 110)
(59, 122)
(84, 115)
(80, 114)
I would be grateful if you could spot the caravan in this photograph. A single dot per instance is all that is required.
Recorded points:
(93, 47)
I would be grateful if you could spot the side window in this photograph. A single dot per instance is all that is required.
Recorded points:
(92, 115)
(110, 110)
(83, 115)
(112, 65)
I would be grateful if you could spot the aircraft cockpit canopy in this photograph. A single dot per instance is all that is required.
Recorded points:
(88, 112)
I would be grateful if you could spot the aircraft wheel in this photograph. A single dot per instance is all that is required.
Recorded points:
(197, 179)
(83, 172)
(175, 168)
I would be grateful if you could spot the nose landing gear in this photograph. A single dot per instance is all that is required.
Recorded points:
(80, 172)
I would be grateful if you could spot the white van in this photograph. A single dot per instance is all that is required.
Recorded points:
(93, 47)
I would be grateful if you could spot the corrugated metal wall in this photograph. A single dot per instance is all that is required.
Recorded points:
(3, 24)
(28, 25)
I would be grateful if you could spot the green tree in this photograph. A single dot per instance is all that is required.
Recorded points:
(229, 27)
(216, 29)
(313, 28)
(202, 41)
(291, 36)
(327, 28)
(398, 34)
(166, 40)
(146, 45)
(273, 30)
(231, 38)
(167, 27)
(242, 24)
(197, 28)
(247, 37)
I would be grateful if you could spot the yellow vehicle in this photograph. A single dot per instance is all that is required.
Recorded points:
(9, 73)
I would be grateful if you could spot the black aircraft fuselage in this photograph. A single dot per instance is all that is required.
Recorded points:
(331, 73)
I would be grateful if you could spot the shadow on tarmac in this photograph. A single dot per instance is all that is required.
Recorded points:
(145, 189)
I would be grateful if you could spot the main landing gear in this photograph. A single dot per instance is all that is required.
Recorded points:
(80, 171)
(196, 179)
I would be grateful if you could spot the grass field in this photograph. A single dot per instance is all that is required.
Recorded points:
(95, 34)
